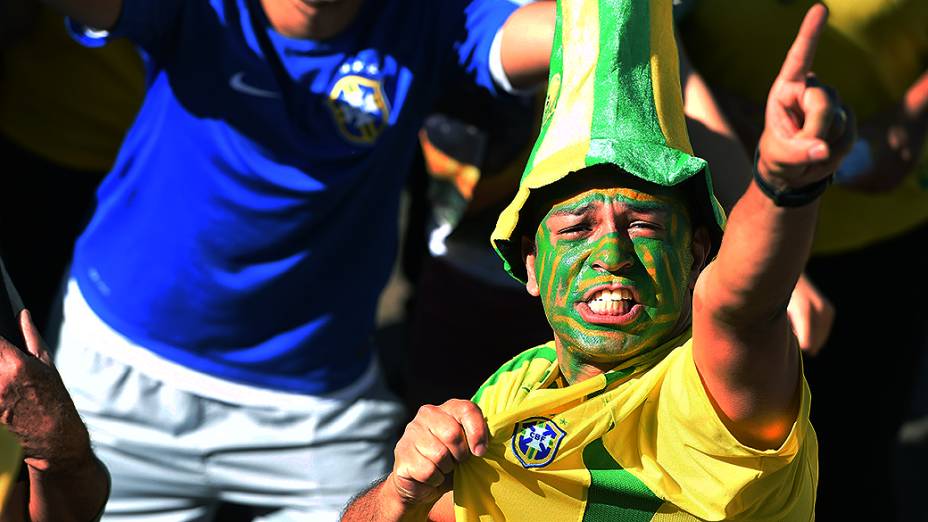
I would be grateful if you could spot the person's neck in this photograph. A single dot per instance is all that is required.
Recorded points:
(310, 20)
(575, 368)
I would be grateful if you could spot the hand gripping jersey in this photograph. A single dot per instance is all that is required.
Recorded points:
(642, 442)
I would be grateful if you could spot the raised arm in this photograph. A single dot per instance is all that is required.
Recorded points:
(810, 312)
(743, 346)
(99, 14)
(525, 50)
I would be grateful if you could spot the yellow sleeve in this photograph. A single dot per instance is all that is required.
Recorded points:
(705, 471)
(10, 460)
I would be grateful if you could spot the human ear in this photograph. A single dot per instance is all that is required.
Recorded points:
(701, 246)
(529, 254)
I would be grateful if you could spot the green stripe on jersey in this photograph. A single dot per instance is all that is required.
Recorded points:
(615, 494)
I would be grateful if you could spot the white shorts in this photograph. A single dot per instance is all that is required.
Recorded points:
(175, 454)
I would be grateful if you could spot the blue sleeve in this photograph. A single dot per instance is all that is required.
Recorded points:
(151, 24)
(481, 20)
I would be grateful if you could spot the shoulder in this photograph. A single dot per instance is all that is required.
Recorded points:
(527, 369)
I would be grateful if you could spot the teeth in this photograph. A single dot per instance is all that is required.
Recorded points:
(611, 302)
(621, 294)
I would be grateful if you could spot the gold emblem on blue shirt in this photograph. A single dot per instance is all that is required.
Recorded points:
(535, 441)
(359, 105)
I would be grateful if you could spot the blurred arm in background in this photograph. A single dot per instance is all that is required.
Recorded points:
(811, 314)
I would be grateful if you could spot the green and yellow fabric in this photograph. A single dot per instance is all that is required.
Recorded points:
(640, 443)
(613, 98)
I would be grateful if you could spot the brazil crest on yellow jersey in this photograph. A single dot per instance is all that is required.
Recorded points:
(640, 443)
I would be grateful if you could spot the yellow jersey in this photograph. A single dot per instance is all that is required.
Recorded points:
(640, 443)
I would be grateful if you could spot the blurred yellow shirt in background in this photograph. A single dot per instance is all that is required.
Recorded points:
(67, 103)
(871, 52)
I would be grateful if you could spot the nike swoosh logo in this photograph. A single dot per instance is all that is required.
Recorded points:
(237, 83)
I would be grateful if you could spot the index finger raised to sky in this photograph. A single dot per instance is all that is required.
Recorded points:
(798, 61)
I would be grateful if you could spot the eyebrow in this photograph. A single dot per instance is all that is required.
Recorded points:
(633, 206)
(574, 211)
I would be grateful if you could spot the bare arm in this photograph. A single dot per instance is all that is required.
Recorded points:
(743, 346)
(419, 487)
(712, 136)
(99, 14)
(810, 313)
(525, 49)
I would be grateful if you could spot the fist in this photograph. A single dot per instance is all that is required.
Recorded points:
(434, 443)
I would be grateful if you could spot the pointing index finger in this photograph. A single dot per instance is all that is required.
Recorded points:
(798, 61)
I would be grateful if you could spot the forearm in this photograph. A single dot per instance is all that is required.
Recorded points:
(713, 137)
(380, 504)
(75, 494)
(762, 255)
(742, 339)
(525, 50)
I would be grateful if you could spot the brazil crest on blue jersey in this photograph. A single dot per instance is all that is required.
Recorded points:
(250, 221)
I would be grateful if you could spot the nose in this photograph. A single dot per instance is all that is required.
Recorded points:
(612, 254)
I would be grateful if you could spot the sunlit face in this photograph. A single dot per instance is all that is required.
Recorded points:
(614, 268)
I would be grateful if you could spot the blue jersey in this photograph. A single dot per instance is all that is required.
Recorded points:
(250, 221)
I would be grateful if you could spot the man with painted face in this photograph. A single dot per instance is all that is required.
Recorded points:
(673, 388)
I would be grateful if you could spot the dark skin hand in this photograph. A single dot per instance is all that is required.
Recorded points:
(66, 481)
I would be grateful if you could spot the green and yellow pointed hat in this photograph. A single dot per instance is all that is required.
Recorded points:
(613, 98)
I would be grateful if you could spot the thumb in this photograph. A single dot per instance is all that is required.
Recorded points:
(778, 153)
(34, 343)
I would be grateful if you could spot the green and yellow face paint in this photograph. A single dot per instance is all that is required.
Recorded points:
(614, 99)
(612, 268)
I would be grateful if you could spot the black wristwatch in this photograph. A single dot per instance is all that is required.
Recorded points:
(794, 197)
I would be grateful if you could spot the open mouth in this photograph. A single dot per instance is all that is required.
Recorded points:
(610, 305)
